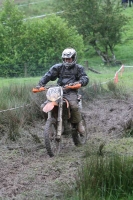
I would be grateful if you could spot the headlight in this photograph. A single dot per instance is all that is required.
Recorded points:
(53, 94)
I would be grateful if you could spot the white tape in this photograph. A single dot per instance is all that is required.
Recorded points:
(1, 111)
(40, 16)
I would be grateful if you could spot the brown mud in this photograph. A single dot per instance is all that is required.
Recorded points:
(27, 172)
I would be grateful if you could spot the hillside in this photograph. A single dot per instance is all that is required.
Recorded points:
(34, 8)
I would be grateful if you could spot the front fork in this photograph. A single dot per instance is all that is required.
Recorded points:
(59, 118)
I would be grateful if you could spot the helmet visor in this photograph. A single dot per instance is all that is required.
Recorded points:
(67, 60)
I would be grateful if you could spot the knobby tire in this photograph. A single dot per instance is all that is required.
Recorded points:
(51, 143)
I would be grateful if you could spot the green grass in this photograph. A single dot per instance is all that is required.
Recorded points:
(19, 81)
(40, 8)
(18, 106)
(34, 7)
(124, 79)
(107, 74)
(124, 50)
(105, 178)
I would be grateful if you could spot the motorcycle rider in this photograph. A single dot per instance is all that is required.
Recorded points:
(68, 73)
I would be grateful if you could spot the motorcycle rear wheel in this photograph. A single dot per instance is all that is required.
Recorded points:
(52, 144)
(78, 138)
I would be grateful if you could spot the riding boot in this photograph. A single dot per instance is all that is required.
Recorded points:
(81, 128)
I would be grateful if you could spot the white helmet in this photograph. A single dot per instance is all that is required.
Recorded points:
(69, 53)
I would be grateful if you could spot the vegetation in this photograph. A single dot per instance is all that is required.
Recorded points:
(107, 177)
(36, 8)
(30, 47)
(27, 48)
(16, 95)
(100, 22)
(18, 108)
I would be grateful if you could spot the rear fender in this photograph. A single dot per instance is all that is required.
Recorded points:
(49, 106)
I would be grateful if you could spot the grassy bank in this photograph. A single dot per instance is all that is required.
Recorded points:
(104, 178)
(32, 81)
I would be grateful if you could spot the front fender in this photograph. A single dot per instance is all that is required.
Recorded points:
(49, 106)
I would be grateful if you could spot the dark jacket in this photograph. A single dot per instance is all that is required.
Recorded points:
(65, 75)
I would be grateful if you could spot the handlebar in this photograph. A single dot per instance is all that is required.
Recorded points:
(35, 90)
(76, 86)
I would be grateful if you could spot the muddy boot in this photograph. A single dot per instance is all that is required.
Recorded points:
(81, 128)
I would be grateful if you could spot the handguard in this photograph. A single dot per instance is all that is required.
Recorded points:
(77, 86)
(35, 90)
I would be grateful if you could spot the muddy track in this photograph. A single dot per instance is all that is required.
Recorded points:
(27, 172)
(31, 174)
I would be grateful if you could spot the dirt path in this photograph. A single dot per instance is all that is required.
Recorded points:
(27, 172)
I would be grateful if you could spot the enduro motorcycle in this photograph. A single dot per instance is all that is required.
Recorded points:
(54, 128)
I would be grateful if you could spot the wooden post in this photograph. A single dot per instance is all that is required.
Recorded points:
(88, 68)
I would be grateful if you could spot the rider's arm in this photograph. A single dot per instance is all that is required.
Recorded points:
(82, 76)
(51, 75)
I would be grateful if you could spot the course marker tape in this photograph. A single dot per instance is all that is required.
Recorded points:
(40, 16)
(121, 70)
(27, 4)
(1, 111)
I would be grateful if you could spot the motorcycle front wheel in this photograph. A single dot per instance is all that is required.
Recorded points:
(52, 144)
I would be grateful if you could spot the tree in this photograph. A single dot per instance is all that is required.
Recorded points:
(33, 45)
(11, 28)
(44, 40)
(101, 23)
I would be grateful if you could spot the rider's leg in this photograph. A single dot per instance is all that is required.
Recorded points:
(76, 117)
(65, 118)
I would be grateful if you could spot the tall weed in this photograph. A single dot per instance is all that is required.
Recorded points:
(18, 107)
(98, 90)
(109, 178)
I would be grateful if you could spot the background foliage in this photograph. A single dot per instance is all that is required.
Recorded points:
(23, 53)
(27, 46)
(100, 22)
